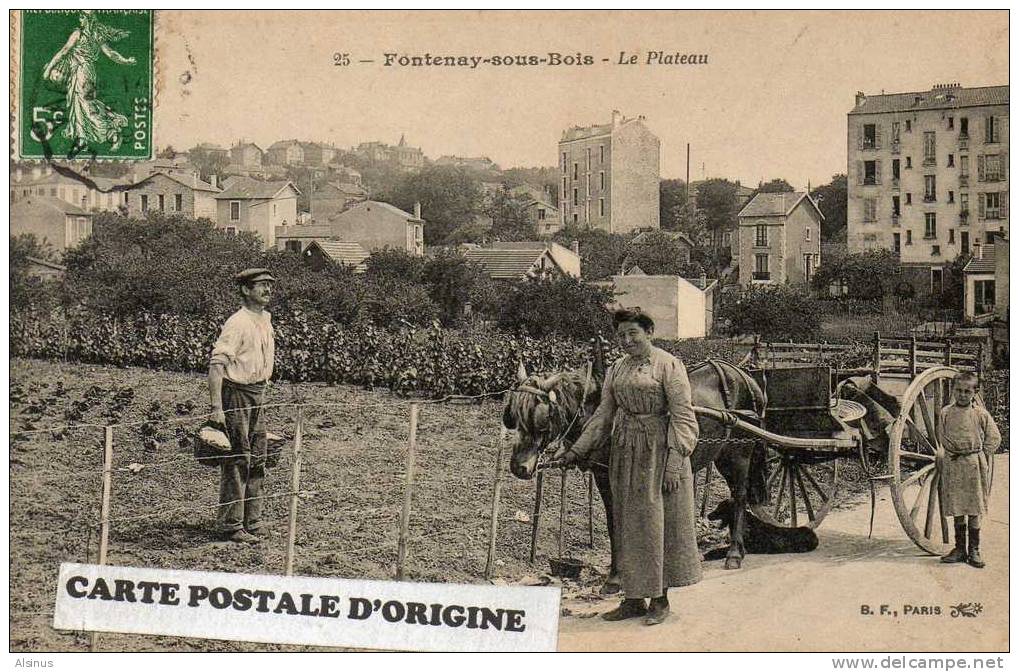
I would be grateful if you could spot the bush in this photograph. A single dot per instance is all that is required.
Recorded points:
(27, 291)
(774, 312)
(564, 306)
(450, 278)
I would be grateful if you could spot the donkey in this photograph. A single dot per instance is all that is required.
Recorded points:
(544, 409)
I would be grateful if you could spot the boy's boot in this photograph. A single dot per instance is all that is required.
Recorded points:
(974, 558)
(958, 554)
(628, 608)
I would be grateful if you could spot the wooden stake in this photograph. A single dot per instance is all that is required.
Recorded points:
(912, 356)
(104, 513)
(590, 510)
(295, 486)
(538, 488)
(708, 474)
(877, 358)
(401, 553)
(562, 512)
(493, 529)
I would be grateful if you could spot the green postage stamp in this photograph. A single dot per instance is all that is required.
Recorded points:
(86, 84)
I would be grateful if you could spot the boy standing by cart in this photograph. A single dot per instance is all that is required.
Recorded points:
(969, 439)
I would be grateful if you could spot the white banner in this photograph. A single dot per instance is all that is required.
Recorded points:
(306, 610)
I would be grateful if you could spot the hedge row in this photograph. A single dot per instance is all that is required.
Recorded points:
(433, 362)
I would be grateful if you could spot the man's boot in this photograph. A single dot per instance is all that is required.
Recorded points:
(658, 611)
(957, 554)
(628, 608)
(974, 559)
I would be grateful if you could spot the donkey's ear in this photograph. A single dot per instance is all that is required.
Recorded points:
(508, 421)
(521, 372)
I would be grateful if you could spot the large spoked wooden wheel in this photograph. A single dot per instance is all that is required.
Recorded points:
(914, 440)
(801, 488)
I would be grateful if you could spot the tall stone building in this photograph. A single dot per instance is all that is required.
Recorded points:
(928, 175)
(610, 176)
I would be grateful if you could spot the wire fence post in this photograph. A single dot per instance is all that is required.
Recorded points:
(493, 530)
(536, 517)
(104, 513)
(590, 510)
(295, 486)
(562, 512)
(401, 553)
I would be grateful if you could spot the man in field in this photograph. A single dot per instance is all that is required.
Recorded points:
(239, 372)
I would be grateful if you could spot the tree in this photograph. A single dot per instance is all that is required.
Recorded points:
(307, 180)
(167, 152)
(658, 253)
(776, 186)
(394, 264)
(773, 312)
(601, 253)
(450, 278)
(545, 178)
(866, 275)
(718, 199)
(563, 305)
(208, 163)
(833, 199)
(509, 216)
(28, 291)
(448, 195)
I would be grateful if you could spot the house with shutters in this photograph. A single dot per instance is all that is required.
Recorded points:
(928, 176)
(247, 204)
(172, 192)
(779, 239)
(53, 221)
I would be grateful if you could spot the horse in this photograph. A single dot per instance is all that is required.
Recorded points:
(551, 408)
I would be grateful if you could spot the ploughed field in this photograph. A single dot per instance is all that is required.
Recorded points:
(354, 452)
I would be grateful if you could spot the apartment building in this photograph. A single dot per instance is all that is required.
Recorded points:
(928, 175)
(610, 176)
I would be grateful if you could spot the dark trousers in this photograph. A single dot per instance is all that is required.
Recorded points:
(243, 473)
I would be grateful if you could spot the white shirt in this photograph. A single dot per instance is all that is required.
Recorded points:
(246, 347)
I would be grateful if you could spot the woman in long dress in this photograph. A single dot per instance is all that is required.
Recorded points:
(89, 120)
(646, 404)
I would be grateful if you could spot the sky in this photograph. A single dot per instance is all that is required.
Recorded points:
(770, 102)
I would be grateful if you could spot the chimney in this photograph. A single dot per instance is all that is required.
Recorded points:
(575, 246)
(616, 118)
(704, 279)
(417, 209)
(19, 174)
(214, 181)
(860, 98)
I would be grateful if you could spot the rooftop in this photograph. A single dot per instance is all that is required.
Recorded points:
(776, 204)
(248, 187)
(984, 263)
(941, 97)
(505, 264)
(50, 203)
(342, 252)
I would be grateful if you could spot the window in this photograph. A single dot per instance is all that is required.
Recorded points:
(909, 126)
(909, 237)
(964, 242)
(909, 198)
(231, 230)
(870, 172)
(807, 267)
(935, 250)
(989, 168)
(53, 192)
(951, 123)
(564, 163)
(762, 236)
(964, 205)
(587, 182)
(808, 234)
(930, 229)
(293, 246)
(991, 205)
(895, 169)
(929, 147)
(909, 162)
(937, 281)
(601, 207)
(951, 236)
(273, 209)
(235, 211)
(601, 180)
(576, 196)
(541, 213)
(178, 202)
(761, 267)
(575, 218)
(145, 203)
(870, 209)
(589, 158)
(951, 196)
(930, 188)
(963, 127)
(964, 166)
(601, 152)
(162, 203)
(983, 296)
(127, 198)
(951, 160)
(896, 209)
(869, 136)
(896, 242)
(564, 188)
(575, 170)
(992, 130)
(895, 132)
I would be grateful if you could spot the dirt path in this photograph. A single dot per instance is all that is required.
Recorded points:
(812, 602)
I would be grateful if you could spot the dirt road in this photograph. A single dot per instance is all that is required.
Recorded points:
(813, 601)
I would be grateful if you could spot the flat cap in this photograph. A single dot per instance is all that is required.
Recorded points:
(253, 275)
